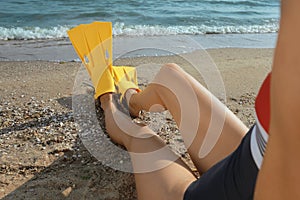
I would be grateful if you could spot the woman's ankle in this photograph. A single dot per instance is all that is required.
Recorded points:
(106, 101)
(130, 97)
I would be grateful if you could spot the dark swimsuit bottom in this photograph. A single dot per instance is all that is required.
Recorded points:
(233, 178)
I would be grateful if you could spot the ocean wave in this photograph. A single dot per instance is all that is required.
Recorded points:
(146, 30)
(27, 33)
(120, 29)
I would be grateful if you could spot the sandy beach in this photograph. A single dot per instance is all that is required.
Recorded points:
(41, 155)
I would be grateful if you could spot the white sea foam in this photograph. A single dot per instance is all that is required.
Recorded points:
(120, 29)
(20, 33)
(146, 30)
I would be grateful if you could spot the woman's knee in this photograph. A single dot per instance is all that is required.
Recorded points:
(171, 66)
(170, 70)
(167, 74)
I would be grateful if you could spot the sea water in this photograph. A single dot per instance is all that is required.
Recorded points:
(33, 19)
(211, 23)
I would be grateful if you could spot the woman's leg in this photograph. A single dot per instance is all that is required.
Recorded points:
(201, 117)
(279, 177)
(154, 178)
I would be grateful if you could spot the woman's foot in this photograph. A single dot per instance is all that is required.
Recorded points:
(135, 106)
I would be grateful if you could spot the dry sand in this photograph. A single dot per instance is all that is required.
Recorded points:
(41, 156)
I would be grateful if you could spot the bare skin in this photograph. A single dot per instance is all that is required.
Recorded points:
(171, 180)
(167, 183)
(279, 177)
(231, 132)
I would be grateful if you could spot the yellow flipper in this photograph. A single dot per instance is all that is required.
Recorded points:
(93, 44)
(125, 78)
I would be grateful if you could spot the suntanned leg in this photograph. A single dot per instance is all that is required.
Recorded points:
(158, 96)
(154, 179)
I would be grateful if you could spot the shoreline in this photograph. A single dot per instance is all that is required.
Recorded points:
(61, 49)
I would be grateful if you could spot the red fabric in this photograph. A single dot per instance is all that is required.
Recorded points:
(262, 104)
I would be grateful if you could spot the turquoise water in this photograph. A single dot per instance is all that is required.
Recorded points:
(38, 19)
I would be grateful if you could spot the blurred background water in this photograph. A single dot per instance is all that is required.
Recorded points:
(38, 19)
